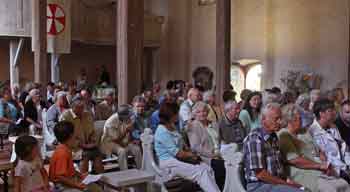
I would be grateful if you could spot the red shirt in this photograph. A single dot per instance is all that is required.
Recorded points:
(61, 163)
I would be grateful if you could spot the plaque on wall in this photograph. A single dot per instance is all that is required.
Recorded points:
(203, 78)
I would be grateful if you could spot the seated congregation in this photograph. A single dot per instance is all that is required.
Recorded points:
(281, 141)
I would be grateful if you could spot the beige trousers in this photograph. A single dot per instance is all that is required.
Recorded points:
(123, 153)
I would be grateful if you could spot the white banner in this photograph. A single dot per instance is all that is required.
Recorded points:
(58, 25)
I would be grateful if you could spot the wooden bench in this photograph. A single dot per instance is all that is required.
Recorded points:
(141, 180)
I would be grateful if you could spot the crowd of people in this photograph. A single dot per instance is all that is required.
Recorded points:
(290, 141)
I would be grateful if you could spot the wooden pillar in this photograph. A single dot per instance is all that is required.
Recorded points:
(40, 50)
(129, 48)
(136, 46)
(223, 51)
(122, 50)
(348, 91)
(16, 47)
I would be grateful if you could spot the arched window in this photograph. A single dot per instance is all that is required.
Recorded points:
(237, 79)
(253, 78)
(246, 74)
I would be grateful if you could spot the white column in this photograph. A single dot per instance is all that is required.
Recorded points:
(15, 51)
(55, 68)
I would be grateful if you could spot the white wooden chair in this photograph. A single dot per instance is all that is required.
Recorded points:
(148, 162)
(234, 169)
(48, 138)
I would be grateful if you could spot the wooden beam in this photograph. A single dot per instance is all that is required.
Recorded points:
(40, 51)
(223, 51)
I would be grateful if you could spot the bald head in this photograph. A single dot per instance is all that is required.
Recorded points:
(193, 94)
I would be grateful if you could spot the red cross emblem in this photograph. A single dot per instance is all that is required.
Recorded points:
(56, 19)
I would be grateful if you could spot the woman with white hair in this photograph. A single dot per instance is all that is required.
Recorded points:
(299, 151)
(204, 140)
(31, 110)
(214, 114)
(307, 117)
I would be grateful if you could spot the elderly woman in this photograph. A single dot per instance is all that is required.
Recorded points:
(174, 157)
(204, 140)
(250, 114)
(32, 111)
(214, 114)
(303, 167)
(303, 102)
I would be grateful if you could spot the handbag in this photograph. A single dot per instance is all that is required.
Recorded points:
(190, 160)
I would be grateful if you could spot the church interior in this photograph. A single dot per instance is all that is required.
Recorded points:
(132, 94)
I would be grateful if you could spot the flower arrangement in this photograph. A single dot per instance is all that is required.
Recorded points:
(301, 82)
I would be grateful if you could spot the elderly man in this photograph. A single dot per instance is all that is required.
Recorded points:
(343, 121)
(150, 103)
(52, 117)
(106, 108)
(262, 157)
(90, 104)
(139, 119)
(327, 138)
(230, 127)
(185, 113)
(116, 137)
(86, 134)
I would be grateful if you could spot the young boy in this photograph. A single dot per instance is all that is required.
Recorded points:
(62, 171)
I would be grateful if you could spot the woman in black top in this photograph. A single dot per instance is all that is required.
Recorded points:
(30, 109)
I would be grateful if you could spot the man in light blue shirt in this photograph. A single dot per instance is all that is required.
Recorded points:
(185, 113)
